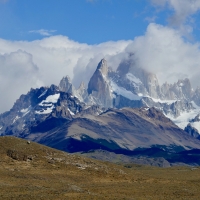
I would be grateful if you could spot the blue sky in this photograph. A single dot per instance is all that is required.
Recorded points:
(81, 20)
(43, 40)
(86, 21)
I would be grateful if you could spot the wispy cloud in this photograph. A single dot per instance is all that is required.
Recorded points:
(43, 32)
(182, 15)
(150, 19)
(183, 9)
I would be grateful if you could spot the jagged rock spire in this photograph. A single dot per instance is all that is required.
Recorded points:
(103, 67)
(99, 87)
(66, 85)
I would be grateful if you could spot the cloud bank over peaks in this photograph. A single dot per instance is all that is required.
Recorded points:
(45, 62)
(163, 51)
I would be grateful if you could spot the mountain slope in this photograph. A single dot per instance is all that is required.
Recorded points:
(58, 119)
(116, 130)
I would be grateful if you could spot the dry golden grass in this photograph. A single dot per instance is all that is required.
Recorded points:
(46, 173)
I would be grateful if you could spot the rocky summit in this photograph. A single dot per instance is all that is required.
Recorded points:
(119, 111)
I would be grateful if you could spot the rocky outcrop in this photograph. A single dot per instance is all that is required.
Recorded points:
(192, 131)
(65, 85)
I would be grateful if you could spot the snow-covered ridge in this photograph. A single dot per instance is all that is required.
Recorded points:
(185, 117)
(47, 104)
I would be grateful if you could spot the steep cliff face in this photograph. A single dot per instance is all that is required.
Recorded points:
(196, 96)
(99, 88)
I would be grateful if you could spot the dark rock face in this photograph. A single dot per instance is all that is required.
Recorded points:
(192, 131)
(196, 119)
(39, 107)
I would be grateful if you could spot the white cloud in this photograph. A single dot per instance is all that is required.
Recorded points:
(18, 74)
(150, 19)
(163, 51)
(43, 32)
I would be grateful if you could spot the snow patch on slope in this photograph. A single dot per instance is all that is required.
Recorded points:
(71, 113)
(43, 94)
(136, 81)
(47, 110)
(16, 118)
(122, 91)
(163, 101)
(50, 99)
(25, 111)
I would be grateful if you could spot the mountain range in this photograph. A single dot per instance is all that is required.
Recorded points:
(120, 110)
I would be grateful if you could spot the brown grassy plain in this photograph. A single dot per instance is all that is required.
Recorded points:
(32, 171)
